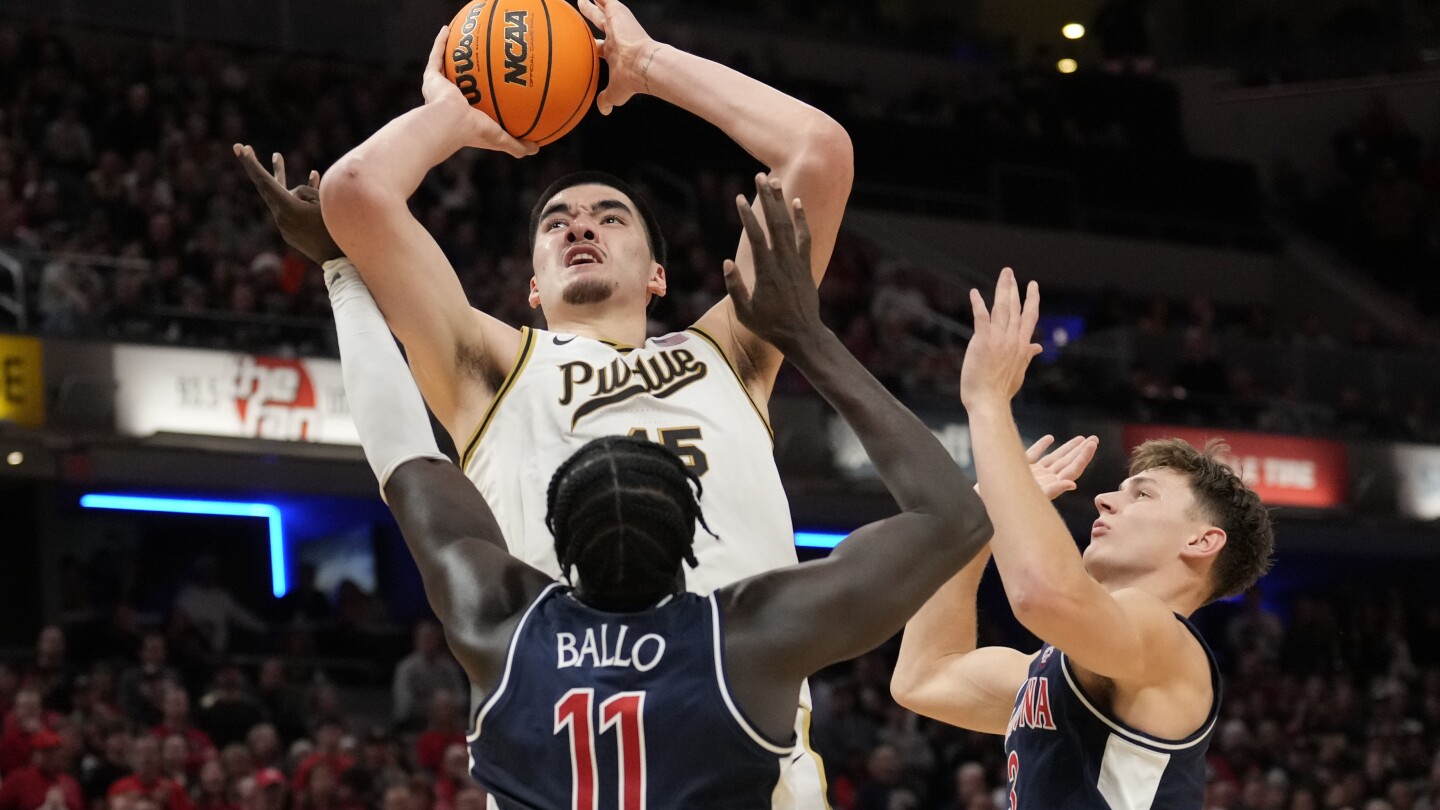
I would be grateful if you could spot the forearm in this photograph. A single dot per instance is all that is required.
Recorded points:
(774, 128)
(918, 471)
(390, 164)
(943, 628)
(384, 402)
(1034, 552)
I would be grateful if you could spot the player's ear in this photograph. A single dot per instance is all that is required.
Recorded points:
(534, 293)
(1207, 543)
(656, 285)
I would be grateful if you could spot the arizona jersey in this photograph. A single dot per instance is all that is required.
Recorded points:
(1063, 750)
(678, 390)
(638, 707)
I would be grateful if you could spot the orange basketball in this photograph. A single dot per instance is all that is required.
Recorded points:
(529, 64)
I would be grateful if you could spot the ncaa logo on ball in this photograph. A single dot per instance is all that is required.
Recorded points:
(517, 48)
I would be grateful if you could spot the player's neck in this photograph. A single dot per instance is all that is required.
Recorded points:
(1182, 594)
(611, 326)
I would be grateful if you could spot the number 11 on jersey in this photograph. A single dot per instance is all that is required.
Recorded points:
(625, 712)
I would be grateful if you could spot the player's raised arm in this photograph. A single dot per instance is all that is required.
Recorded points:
(940, 673)
(455, 352)
(801, 145)
(472, 582)
(1128, 636)
(883, 572)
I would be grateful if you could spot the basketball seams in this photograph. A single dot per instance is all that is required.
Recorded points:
(490, 65)
(549, 67)
(589, 95)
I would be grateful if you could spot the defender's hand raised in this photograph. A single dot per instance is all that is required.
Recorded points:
(783, 307)
(1000, 351)
(297, 211)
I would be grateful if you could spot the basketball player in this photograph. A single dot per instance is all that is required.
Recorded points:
(1117, 708)
(519, 402)
(626, 685)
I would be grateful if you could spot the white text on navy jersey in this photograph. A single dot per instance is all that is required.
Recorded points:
(602, 650)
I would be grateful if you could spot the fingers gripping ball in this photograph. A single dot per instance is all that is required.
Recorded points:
(529, 64)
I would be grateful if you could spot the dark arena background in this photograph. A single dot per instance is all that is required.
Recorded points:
(1233, 208)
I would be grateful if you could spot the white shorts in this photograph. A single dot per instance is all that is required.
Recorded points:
(802, 776)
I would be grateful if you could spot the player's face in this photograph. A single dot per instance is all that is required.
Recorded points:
(1142, 526)
(592, 249)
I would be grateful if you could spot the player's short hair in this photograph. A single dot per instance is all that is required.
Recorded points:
(623, 513)
(1223, 499)
(653, 235)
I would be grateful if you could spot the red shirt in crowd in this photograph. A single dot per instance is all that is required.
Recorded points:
(430, 748)
(16, 743)
(25, 789)
(339, 764)
(201, 749)
(165, 791)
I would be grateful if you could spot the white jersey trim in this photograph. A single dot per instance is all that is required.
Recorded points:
(509, 660)
(725, 689)
(1135, 736)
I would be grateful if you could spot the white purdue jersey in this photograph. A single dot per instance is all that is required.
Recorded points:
(679, 390)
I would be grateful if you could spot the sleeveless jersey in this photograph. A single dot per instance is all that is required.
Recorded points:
(1063, 750)
(679, 390)
(620, 711)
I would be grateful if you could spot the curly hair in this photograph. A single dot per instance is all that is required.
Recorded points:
(623, 513)
(1222, 498)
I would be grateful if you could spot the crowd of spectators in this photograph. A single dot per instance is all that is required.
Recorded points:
(1331, 700)
(121, 186)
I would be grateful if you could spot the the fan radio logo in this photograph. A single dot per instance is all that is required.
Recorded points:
(276, 400)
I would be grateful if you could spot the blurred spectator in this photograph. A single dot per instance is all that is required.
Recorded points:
(212, 791)
(445, 727)
(305, 602)
(453, 777)
(101, 769)
(425, 671)
(146, 781)
(213, 609)
(142, 685)
(283, 701)
(380, 762)
(328, 735)
(176, 723)
(263, 743)
(175, 760)
(22, 724)
(44, 783)
(228, 712)
(50, 672)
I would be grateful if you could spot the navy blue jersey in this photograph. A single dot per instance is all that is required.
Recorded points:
(1063, 750)
(620, 711)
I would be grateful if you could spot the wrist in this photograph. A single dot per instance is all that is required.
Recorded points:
(986, 407)
(802, 339)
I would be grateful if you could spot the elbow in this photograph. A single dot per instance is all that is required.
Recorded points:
(349, 190)
(905, 686)
(827, 154)
(1038, 602)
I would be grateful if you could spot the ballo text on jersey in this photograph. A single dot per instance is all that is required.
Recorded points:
(658, 375)
(600, 650)
(1033, 710)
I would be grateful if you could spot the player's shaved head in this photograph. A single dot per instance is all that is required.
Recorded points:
(623, 513)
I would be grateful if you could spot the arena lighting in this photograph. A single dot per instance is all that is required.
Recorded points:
(818, 539)
(1073, 31)
(187, 506)
(15, 459)
(1067, 65)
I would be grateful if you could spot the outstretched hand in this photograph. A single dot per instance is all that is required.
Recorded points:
(627, 50)
(297, 211)
(782, 307)
(1057, 471)
(1000, 351)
